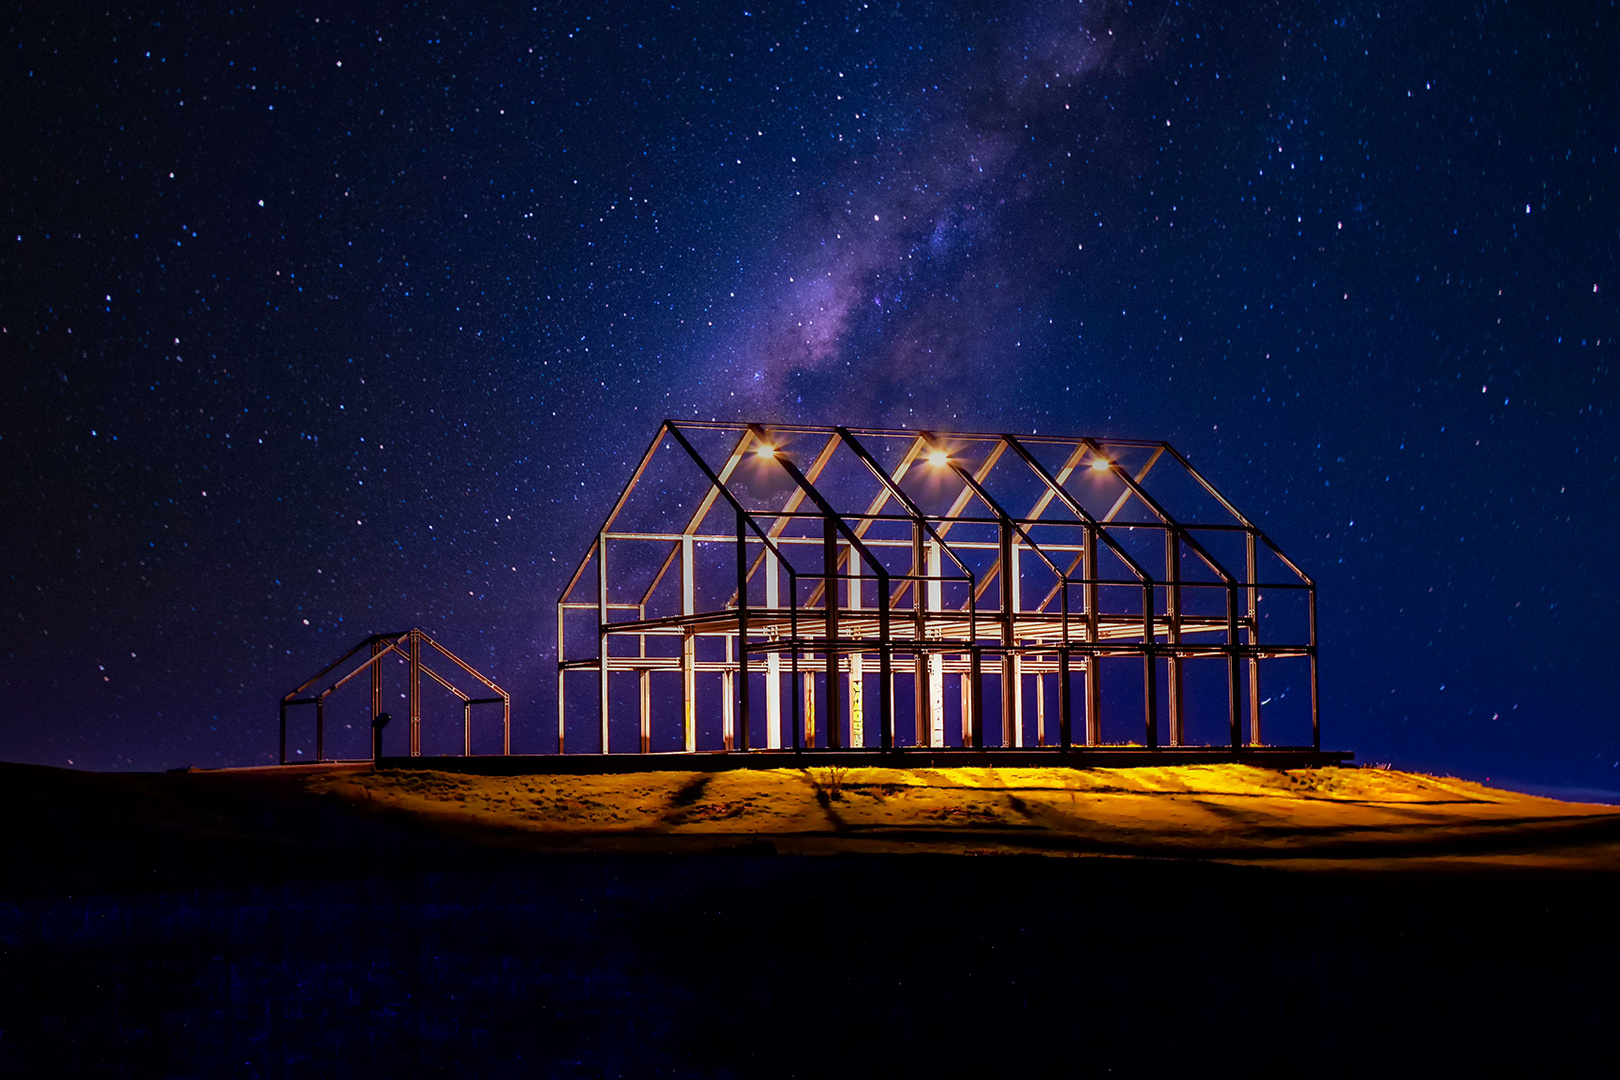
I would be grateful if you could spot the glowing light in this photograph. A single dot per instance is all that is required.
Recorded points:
(766, 452)
(938, 458)
(1100, 464)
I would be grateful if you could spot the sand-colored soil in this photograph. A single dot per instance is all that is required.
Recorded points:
(1306, 818)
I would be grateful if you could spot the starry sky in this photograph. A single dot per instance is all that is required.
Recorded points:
(314, 325)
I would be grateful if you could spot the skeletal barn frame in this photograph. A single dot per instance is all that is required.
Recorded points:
(367, 658)
(782, 560)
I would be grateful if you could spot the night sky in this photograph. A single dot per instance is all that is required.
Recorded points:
(314, 326)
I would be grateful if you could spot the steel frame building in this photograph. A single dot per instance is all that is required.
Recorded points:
(367, 658)
(793, 563)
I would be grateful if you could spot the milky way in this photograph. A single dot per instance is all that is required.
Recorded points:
(901, 267)
(316, 326)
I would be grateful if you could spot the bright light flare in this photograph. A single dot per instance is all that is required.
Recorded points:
(938, 458)
(1100, 464)
(768, 453)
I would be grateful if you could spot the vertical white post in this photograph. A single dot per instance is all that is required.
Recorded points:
(728, 690)
(1040, 710)
(1093, 636)
(602, 636)
(1016, 664)
(644, 681)
(415, 700)
(688, 650)
(936, 671)
(562, 699)
(646, 710)
(1253, 574)
(857, 726)
(809, 707)
(773, 661)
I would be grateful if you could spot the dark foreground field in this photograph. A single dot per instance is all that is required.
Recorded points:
(212, 925)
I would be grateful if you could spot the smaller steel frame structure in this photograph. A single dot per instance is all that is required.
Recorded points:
(367, 657)
(788, 561)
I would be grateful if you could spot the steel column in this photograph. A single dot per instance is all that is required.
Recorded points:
(773, 659)
(795, 680)
(1172, 572)
(1040, 709)
(562, 694)
(1316, 715)
(415, 699)
(885, 667)
(1093, 637)
(1065, 710)
(921, 696)
(1011, 718)
(602, 638)
(835, 696)
(728, 701)
(857, 681)
(1254, 637)
(1234, 678)
(644, 677)
(964, 690)
(933, 660)
(743, 701)
(808, 680)
(688, 648)
(376, 677)
(976, 696)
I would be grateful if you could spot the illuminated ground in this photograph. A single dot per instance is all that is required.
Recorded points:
(1316, 818)
(333, 921)
(88, 831)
